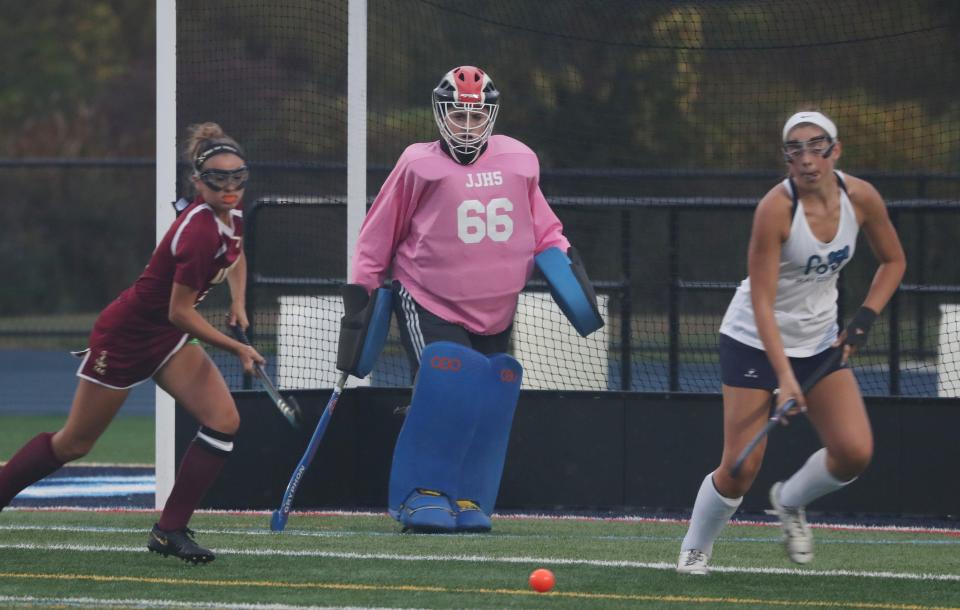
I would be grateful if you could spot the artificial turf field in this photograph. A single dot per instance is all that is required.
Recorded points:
(66, 559)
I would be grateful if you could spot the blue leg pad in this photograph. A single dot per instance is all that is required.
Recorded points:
(483, 463)
(438, 429)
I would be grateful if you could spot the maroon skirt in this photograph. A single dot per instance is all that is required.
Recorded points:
(127, 346)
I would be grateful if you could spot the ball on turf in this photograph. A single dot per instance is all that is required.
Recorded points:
(542, 580)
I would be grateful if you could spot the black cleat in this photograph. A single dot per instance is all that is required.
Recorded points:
(179, 543)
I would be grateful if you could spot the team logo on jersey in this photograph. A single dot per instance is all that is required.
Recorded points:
(484, 179)
(221, 275)
(100, 364)
(834, 261)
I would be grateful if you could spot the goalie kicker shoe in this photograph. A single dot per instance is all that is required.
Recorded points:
(471, 518)
(427, 512)
(179, 543)
(693, 561)
(793, 521)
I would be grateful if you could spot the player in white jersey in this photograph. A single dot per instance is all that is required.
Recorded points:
(782, 324)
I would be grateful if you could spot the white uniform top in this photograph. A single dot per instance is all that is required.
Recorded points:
(806, 301)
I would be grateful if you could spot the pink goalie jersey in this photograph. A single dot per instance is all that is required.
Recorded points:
(460, 238)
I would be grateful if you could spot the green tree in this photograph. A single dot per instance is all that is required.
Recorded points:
(76, 78)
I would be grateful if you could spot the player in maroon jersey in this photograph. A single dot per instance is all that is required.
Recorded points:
(146, 333)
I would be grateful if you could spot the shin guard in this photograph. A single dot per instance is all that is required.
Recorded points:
(34, 461)
(199, 468)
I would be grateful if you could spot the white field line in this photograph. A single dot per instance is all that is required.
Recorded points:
(147, 604)
(506, 517)
(541, 561)
(330, 534)
(744, 522)
(35, 492)
(117, 465)
(96, 480)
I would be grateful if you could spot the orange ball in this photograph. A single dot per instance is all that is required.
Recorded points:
(542, 580)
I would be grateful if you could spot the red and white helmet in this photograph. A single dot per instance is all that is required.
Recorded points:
(465, 105)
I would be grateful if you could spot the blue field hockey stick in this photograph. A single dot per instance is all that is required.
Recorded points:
(278, 520)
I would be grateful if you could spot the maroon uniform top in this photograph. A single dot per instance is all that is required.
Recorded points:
(133, 337)
(197, 251)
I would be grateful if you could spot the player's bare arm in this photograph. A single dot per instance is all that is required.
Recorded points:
(884, 242)
(237, 280)
(184, 316)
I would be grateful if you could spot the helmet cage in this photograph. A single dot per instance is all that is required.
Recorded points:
(465, 127)
(465, 106)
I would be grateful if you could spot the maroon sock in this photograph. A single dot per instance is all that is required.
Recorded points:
(34, 461)
(198, 470)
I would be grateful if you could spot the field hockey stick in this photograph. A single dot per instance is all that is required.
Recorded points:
(781, 411)
(289, 407)
(278, 520)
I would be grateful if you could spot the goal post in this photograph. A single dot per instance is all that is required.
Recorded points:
(356, 122)
(166, 187)
(166, 177)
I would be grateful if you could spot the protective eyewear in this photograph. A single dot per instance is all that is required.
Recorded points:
(821, 146)
(219, 179)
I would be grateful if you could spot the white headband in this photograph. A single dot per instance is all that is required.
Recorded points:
(814, 118)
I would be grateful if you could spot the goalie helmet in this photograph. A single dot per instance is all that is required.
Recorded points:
(465, 105)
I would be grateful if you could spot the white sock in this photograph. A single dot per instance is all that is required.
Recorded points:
(810, 482)
(711, 512)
